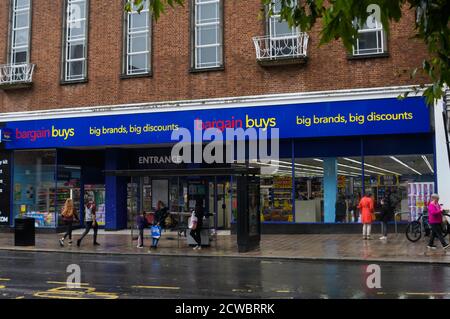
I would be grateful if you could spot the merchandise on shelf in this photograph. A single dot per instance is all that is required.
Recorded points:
(419, 195)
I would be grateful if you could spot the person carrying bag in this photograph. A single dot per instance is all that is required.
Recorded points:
(195, 226)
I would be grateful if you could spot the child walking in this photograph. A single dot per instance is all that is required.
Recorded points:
(156, 235)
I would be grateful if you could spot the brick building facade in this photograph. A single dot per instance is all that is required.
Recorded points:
(327, 68)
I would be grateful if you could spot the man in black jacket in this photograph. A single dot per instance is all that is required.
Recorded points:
(387, 213)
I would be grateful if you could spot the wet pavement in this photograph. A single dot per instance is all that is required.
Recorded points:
(25, 275)
(303, 247)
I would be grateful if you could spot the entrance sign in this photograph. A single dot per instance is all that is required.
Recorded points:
(341, 118)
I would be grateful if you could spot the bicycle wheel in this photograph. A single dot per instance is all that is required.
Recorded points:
(413, 231)
(445, 229)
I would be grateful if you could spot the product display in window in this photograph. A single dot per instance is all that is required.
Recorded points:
(97, 192)
(277, 198)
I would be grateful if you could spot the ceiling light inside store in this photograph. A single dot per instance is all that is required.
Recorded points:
(428, 163)
(407, 166)
(352, 167)
(372, 166)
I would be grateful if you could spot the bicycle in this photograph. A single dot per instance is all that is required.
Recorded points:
(416, 228)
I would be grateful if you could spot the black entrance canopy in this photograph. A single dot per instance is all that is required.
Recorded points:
(222, 171)
(248, 222)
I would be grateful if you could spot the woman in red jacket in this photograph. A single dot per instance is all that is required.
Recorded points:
(366, 207)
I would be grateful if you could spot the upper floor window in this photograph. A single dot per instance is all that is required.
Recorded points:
(208, 34)
(371, 38)
(75, 40)
(279, 28)
(137, 40)
(281, 44)
(19, 52)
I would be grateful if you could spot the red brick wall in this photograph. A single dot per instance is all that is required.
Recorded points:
(327, 68)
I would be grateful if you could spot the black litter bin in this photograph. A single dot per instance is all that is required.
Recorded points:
(24, 232)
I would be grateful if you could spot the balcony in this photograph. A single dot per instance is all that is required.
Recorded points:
(282, 50)
(15, 76)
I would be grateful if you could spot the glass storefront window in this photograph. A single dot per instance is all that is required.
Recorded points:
(35, 192)
(276, 192)
(67, 186)
(406, 180)
(309, 190)
(97, 193)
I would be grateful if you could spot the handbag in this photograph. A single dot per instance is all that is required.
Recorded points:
(193, 220)
(374, 217)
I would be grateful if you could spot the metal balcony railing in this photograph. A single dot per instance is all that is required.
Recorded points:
(269, 48)
(12, 74)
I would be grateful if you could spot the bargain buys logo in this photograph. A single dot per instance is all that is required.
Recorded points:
(34, 135)
(235, 123)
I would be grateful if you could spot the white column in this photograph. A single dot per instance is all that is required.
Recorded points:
(442, 162)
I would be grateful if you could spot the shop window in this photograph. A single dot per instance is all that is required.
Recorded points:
(406, 180)
(67, 186)
(276, 192)
(309, 190)
(328, 190)
(35, 186)
(97, 193)
(41, 187)
(349, 189)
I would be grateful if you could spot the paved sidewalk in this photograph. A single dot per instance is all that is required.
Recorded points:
(302, 247)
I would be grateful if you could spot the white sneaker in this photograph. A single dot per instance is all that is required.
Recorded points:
(199, 247)
(383, 238)
(195, 248)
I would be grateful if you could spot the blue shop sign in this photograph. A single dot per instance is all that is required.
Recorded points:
(341, 118)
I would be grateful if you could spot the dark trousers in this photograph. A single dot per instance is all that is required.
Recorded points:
(195, 233)
(384, 227)
(141, 237)
(89, 226)
(68, 233)
(155, 242)
(436, 231)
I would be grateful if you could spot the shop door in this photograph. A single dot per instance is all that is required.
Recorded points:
(223, 204)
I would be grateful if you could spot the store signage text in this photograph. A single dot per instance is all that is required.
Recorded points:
(146, 160)
(326, 119)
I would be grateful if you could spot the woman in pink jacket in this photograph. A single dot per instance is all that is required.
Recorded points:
(435, 221)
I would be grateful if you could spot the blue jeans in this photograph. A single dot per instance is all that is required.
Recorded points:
(155, 242)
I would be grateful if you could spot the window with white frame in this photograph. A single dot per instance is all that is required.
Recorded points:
(75, 42)
(137, 39)
(208, 43)
(279, 28)
(20, 32)
(371, 38)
